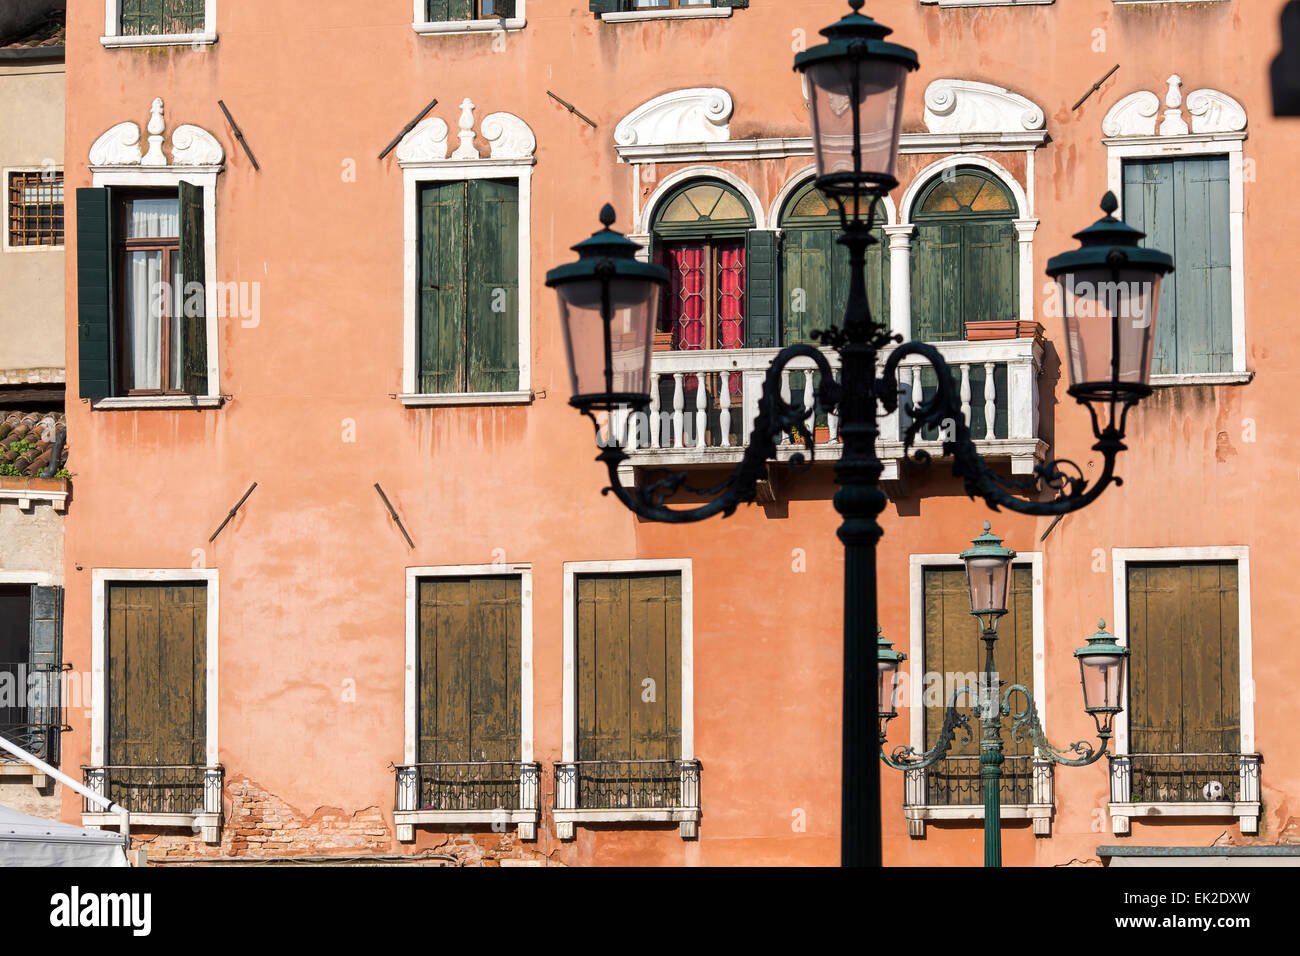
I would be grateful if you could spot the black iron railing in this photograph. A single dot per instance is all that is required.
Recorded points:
(955, 782)
(164, 789)
(469, 785)
(31, 711)
(1187, 778)
(627, 784)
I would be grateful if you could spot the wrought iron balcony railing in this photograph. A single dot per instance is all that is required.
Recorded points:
(693, 426)
(628, 790)
(1191, 785)
(502, 793)
(158, 790)
(952, 790)
(31, 711)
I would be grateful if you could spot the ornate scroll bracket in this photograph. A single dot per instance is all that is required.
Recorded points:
(190, 145)
(508, 137)
(964, 106)
(1211, 111)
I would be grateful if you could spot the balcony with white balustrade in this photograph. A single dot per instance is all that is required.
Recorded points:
(689, 427)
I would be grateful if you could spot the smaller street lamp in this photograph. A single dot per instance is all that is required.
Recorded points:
(988, 575)
(887, 661)
(1101, 669)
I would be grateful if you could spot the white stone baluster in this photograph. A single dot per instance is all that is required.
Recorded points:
(654, 410)
(724, 409)
(833, 427)
(990, 402)
(811, 421)
(785, 396)
(965, 393)
(679, 403)
(701, 406)
(917, 392)
(751, 389)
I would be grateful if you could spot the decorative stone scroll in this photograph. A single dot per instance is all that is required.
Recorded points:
(508, 137)
(964, 106)
(699, 115)
(190, 146)
(1211, 112)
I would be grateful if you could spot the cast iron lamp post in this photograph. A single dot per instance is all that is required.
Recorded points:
(1101, 669)
(609, 301)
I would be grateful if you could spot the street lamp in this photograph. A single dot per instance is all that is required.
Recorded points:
(1101, 663)
(607, 300)
(988, 576)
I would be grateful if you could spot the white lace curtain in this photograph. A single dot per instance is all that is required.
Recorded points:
(146, 293)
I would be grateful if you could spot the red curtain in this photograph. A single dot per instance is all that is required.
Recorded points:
(686, 306)
(731, 295)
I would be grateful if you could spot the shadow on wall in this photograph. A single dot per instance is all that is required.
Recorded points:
(19, 17)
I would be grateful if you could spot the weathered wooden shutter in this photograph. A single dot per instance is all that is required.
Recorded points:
(94, 296)
(1184, 692)
(157, 698)
(492, 317)
(45, 652)
(936, 295)
(731, 3)
(760, 289)
(498, 8)
(469, 705)
(629, 667)
(1182, 205)
(442, 286)
(953, 653)
(194, 327)
(990, 273)
(606, 6)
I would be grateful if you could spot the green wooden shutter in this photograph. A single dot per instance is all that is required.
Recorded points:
(1183, 207)
(94, 295)
(194, 327)
(936, 297)
(469, 659)
(629, 667)
(808, 289)
(1185, 669)
(460, 9)
(760, 289)
(492, 316)
(953, 651)
(990, 273)
(436, 11)
(731, 3)
(442, 287)
(605, 6)
(45, 652)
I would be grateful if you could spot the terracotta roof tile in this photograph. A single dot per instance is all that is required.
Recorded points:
(27, 441)
(49, 34)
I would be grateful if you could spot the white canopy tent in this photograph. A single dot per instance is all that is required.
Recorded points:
(31, 841)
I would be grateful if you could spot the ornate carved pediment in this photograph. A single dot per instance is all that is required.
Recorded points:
(1211, 111)
(190, 146)
(507, 136)
(964, 106)
(701, 115)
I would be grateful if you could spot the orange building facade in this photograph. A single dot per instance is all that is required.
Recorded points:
(426, 633)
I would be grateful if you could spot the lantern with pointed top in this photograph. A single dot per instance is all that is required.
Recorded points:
(1110, 298)
(887, 661)
(855, 83)
(609, 303)
(988, 573)
(1101, 665)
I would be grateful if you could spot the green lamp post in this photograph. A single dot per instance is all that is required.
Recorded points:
(1101, 666)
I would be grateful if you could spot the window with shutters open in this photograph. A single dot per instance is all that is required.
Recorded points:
(468, 16)
(1183, 206)
(469, 286)
(627, 754)
(142, 295)
(31, 665)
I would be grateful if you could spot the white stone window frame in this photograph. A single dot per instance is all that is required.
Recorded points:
(208, 822)
(526, 820)
(667, 13)
(116, 159)
(1130, 132)
(422, 157)
(943, 4)
(422, 25)
(1041, 811)
(5, 204)
(1247, 811)
(113, 37)
(565, 819)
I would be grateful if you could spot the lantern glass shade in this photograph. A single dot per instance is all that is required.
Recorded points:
(1103, 682)
(888, 678)
(634, 310)
(841, 88)
(1110, 324)
(988, 577)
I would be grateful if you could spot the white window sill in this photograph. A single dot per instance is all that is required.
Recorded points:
(636, 16)
(137, 402)
(686, 818)
(1202, 378)
(417, 400)
(975, 811)
(167, 39)
(412, 817)
(99, 821)
(988, 3)
(1246, 813)
(469, 26)
(32, 248)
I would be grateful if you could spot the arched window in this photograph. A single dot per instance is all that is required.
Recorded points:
(965, 258)
(815, 267)
(699, 236)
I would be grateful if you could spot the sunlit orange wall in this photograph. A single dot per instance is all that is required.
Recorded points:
(311, 570)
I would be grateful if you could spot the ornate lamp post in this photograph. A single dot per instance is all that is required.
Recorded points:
(607, 305)
(1101, 664)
